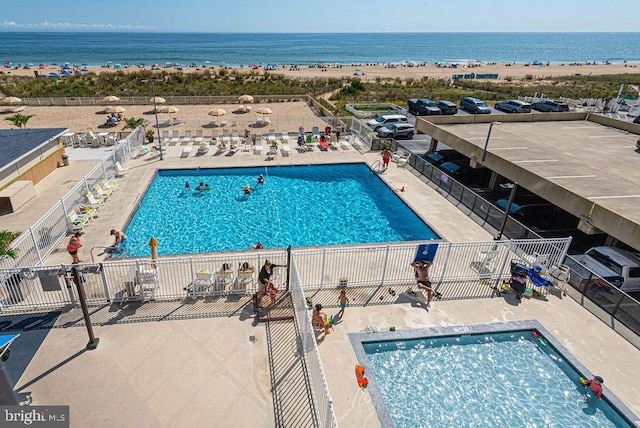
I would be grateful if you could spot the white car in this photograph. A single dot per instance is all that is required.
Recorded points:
(386, 120)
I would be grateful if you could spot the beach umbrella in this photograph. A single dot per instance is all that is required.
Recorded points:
(217, 112)
(168, 109)
(54, 74)
(158, 100)
(264, 110)
(42, 64)
(245, 98)
(114, 109)
(66, 73)
(111, 99)
(11, 100)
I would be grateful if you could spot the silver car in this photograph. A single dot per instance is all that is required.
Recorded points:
(513, 106)
(397, 130)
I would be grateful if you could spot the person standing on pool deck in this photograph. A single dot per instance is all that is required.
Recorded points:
(120, 237)
(386, 157)
(344, 301)
(264, 278)
(422, 269)
(74, 246)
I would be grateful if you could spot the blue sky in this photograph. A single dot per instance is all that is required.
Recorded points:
(342, 16)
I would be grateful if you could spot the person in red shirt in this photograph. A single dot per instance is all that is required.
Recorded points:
(595, 386)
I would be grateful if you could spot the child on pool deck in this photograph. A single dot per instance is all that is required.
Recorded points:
(344, 302)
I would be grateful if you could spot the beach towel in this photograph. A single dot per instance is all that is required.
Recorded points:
(426, 252)
(536, 279)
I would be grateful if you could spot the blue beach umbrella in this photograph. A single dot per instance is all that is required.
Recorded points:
(85, 64)
(29, 64)
(85, 70)
(54, 74)
(118, 66)
(66, 73)
(77, 72)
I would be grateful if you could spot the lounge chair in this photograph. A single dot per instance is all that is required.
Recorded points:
(121, 170)
(286, 149)
(246, 279)
(273, 152)
(257, 147)
(285, 137)
(141, 151)
(271, 135)
(226, 138)
(147, 277)
(105, 193)
(187, 137)
(202, 283)
(199, 137)
(225, 122)
(266, 121)
(309, 143)
(175, 138)
(165, 137)
(203, 149)
(93, 200)
(110, 185)
(235, 138)
(224, 278)
(76, 221)
(87, 211)
(186, 151)
(324, 145)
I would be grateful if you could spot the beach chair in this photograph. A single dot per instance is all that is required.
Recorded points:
(111, 139)
(226, 138)
(141, 151)
(259, 122)
(286, 149)
(91, 140)
(224, 122)
(76, 221)
(324, 145)
(104, 193)
(202, 283)
(273, 151)
(198, 139)
(257, 147)
(165, 137)
(203, 149)
(175, 138)
(87, 211)
(110, 185)
(309, 143)
(186, 151)
(266, 121)
(93, 200)
(235, 138)
(271, 136)
(187, 137)
(224, 278)
(246, 280)
(147, 278)
(315, 132)
(285, 137)
(121, 171)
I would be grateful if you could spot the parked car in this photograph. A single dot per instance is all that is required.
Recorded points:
(550, 106)
(447, 107)
(423, 107)
(513, 106)
(536, 214)
(475, 106)
(463, 172)
(397, 130)
(617, 266)
(386, 120)
(442, 156)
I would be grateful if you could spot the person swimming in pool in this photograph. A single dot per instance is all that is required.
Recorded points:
(260, 179)
(200, 187)
(247, 189)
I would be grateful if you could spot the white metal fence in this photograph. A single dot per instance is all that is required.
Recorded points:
(38, 242)
(322, 402)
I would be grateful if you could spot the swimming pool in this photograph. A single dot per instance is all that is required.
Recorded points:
(311, 205)
(439, 377)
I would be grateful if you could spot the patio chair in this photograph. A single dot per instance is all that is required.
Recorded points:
(484, 264)
(309, 143)
(76, 221)
(187, 137)
(175, 138)
(186, 151)
(198, 139)
(266, 121)
(141, 151)
(315, 131)
(87, 211)
(93, 200)
(286, 149)
(121, 170)
(273, 151)
(147, 278)
(165, 137)
(226, 138)
(285, 137)
(324, 145)
(203, 149)
(91, 140)
(224, 122)
(235, 138)
(246, 279)
(224, 278)
(110, 185)
(271, 135)
(202, 283)
(104, 193)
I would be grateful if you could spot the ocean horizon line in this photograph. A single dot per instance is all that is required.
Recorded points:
(146, 31)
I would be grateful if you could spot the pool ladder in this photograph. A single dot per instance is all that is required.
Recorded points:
(376, 168)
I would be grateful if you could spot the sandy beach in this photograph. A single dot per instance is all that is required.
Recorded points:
(375, 71)
(286, 117)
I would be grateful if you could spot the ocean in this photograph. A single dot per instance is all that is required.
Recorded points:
(95, 48)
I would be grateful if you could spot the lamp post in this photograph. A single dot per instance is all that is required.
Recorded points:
(507, 210)
(486, 143)
(155, 111)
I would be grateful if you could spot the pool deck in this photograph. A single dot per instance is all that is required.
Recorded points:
(199, 372)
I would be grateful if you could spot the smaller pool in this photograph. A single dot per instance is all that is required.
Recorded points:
(508, 379)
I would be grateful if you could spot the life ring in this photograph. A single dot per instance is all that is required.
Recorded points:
(28, 274)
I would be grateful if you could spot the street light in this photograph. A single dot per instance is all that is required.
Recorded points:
(486, 143)
(155, 111)
(507, 210)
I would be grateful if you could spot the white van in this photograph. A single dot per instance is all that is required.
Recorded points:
(386, 120)
(619, 267)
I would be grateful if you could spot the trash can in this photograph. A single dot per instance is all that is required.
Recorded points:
(65, 160)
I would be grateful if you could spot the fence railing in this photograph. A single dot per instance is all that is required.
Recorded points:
(40, 240)
(322, 403)
(25, 288)
(177, 100)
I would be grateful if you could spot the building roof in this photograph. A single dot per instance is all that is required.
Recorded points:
(16, 143)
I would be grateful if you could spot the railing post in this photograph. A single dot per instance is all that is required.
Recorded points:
(446, 262)
(35, 245)
(105, 283)
(324, 256)
(384, 266)
(288, 268)
(104, 169)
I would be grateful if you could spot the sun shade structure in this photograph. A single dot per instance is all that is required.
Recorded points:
(11, 100)
(217, 112)
(158, 100)
(114, 109)
(264, 110)
(245, 98)
(111, 99)
(168, 109)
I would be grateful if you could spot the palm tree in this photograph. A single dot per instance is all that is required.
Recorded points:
(133, 123)
(6, 237)
(20, 120)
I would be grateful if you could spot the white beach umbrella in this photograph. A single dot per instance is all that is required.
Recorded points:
(111, 99)
(11, 100)
(168, 109)
(245, 98)
(158, 100)
(114, 109)
(217, 112)
(264, 110)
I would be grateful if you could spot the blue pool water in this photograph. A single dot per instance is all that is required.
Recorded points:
(484, 380)
(298, 205)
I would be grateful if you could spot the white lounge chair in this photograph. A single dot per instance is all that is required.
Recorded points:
(257, 147)
(165, 137)
(111, 185)
(93, 200)
(186, 151)
(203, 149)
(198, 139)
(175, 138)
(225, 122)
(285, 137)
(121, 170)
(201, 284)
(141, 151)
(104, 193)
(77, 221)
(187, 137)
(286, 149)
(235, 138)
